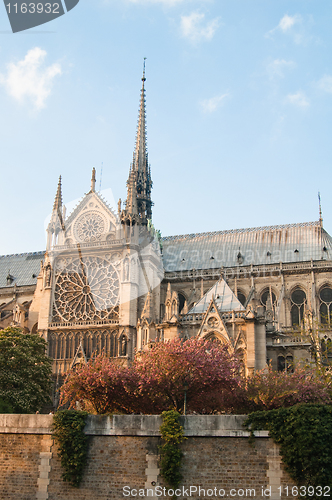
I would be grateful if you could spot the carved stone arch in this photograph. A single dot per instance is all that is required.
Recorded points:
(145, 334)
(34, 329)
(241, 355)
(61, 345)
(168, 310)
(52, 345)
(174, 310)
(215, 336)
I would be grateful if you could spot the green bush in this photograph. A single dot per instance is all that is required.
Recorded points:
(170, 451)
(304, 433)
(68, 427)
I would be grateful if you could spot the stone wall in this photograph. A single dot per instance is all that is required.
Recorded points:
(123, 460)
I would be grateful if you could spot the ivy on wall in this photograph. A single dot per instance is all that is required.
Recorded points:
(170, 451)
(68, 427)
(304, 433)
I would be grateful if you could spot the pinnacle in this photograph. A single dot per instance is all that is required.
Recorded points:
(58, 197)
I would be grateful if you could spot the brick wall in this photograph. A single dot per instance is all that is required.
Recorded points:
(123, 452)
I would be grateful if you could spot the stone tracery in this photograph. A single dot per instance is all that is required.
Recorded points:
(89, 227)
(86, 289)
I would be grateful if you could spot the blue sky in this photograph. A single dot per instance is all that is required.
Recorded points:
(239, 103)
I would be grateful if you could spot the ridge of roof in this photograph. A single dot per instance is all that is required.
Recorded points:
(243, 230)
(24, 254)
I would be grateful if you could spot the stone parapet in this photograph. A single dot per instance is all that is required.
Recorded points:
(132, 425)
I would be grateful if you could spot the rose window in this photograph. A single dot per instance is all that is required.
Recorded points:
(89, 227)
(86, 289)
(213, 322)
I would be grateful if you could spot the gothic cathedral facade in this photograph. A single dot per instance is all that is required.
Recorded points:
(109, 283)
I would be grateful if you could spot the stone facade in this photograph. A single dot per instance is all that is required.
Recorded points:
(123, 452)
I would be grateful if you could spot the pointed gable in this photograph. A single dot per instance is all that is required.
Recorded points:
(213, 325)
(92, 220)
(223, 297)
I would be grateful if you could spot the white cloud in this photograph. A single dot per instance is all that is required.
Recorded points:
(195, 28)
(277, 67)
(298, 99)
(212, 104)
(287, 22)
(325, 83)
(30, 78)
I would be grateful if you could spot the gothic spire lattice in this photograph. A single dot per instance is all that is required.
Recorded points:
(139, 182)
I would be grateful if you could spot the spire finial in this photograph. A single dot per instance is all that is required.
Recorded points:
(320, 211)
(93, 180)
(143, 78)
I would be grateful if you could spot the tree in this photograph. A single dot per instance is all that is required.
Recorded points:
(268, 390)
(208, 371)
(101, 386)
(25, 372)
(157, 379)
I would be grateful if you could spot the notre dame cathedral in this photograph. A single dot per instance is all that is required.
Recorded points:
(108, 282)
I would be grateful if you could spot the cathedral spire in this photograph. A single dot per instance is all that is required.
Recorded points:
(139, 181)
(58, 198)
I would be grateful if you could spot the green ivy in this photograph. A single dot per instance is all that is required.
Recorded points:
(68, 426)
(170, 451)
(304, 433)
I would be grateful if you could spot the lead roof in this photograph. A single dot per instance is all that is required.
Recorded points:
(258, 246)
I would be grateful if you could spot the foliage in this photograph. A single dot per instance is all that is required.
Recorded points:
(268, 390)
(156, 379)
(304, 433)
(5, 406)
(68, 426)
(101, 386)
(209, 371)
(170, 451)
(25, 371)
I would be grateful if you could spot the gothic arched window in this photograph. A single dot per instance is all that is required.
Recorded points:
(325, 307)
(267, 297)
(285, 363)
(298, 300)
(241, 297)
(182, 300)
(326, 350)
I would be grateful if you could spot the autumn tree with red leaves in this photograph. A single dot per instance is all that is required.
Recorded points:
(208, 370)
(155, 381)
